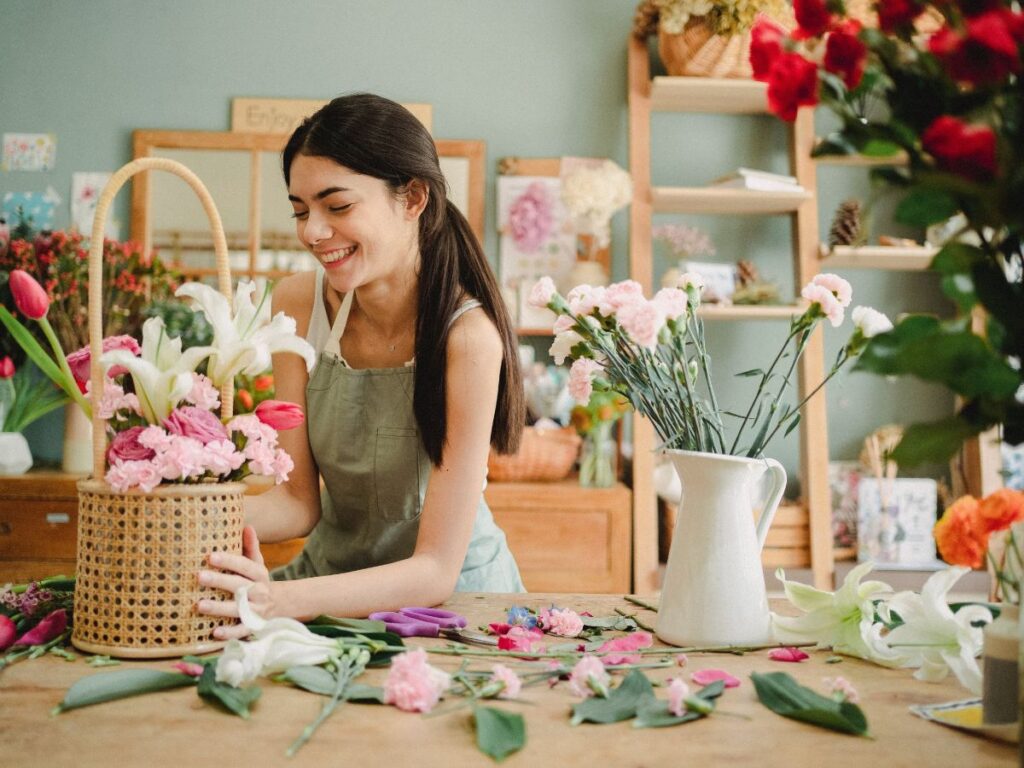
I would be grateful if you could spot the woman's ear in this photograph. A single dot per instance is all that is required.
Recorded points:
(416, 196)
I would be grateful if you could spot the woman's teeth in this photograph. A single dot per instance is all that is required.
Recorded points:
(334, 256)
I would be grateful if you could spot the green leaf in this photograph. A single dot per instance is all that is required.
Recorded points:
(362, 626)
(366, 694)
(499, 733)
(32, 348)
(620, 623)
(934, 441)
(785, 696)
(312, 679)
(121, 684)
(654, 713)
(879, 148)
(795, 423)
(235, 700)
(923, 207)
(622, 703)
(752, 372)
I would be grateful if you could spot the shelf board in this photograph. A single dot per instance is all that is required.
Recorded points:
(735, 96)
(724, 200)
(878, 257)
(862, 161)
(748, 311)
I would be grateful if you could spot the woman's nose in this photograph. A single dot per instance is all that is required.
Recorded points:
(315, 229)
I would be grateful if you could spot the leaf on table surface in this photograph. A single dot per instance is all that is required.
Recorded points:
(622, 702)
(234, 700)
(121, 684)
(499, 733)
(363, 626)
(785, 696)
(321, 681)
(654, 713)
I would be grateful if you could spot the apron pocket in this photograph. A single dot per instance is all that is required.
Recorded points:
(396, 473)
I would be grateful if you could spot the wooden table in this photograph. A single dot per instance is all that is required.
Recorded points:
(175, 728)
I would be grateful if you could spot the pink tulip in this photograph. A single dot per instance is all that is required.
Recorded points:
(7, 632)
(52, 625)
(6, 368)
(29, 296)
(279, 414)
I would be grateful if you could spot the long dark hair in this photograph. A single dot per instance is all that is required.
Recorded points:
(377, 137)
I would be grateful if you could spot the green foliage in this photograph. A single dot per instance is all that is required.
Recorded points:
(622, 702)
(785, 696)
(120, 684)
(498, 733)
(235, 700)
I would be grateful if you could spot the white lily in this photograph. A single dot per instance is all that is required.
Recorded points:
(276, 645)
(244, 341)
(162, 373)
(935, 639)
(842, 620)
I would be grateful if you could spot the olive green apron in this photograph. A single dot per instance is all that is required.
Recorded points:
(366, 443)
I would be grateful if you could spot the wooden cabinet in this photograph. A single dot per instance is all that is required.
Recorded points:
(566, 538)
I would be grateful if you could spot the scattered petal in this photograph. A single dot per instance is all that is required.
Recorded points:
(787, 654)
(681, 660)
(623, 645)
(708, 676)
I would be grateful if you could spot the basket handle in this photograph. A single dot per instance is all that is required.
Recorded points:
(220, 247)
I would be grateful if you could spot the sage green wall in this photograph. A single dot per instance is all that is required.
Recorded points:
(535, 78)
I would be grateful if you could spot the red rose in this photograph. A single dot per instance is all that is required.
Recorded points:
(813, 18)
(765, 46)
(893, 14)
(986, 52)
(126, 447)
(966, 150)
(792, 83)
(845, 54)
(80, 361)
(279, 414)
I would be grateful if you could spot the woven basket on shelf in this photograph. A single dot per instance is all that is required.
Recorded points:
(544, 454)
(139, 554)
(698, 52)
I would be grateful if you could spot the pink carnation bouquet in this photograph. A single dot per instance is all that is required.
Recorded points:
(653, 352)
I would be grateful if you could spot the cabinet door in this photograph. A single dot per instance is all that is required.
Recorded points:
(37, 538)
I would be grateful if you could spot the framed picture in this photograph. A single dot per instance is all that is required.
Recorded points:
(895, 519)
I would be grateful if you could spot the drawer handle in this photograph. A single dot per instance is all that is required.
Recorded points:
(53, 518)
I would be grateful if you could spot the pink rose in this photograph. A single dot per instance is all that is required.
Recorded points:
(280, 415)
(8, 631)
(80, 361)
(642, 321)
(412, 684)
(581, 379)
(542, 292)
(126, 447)
(189, 421)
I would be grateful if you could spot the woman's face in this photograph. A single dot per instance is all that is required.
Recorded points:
(355, 227)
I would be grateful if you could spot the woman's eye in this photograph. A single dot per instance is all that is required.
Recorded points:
(340, 208)
(300, 214)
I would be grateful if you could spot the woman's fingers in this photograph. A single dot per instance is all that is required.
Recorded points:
(229, 582)
(220, 608)
(251, 545)
(240, 564)
(236, 632)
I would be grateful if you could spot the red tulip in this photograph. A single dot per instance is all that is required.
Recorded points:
(8, 631)
(279, 414)
(52, 625)
(766, 38)
(6, 368)
(29, 296)
(792, 83)
(966, 150)
(845, 54)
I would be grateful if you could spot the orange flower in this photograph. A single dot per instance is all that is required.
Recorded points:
(263, 383)
(1001, 509)
(961, 535)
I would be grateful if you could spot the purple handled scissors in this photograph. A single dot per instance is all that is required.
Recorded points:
(430, 622)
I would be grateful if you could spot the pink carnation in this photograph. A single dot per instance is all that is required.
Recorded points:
(220, 457)
(542, 292)
(584, 299)
(589, 677)
(126, 447)
(283, 466)
(154, 437)
(260, 457)
(253, 429)
(642, 321)
(509, 679)
(80, 361)
(133, 474)
(562, 324)
(842, 689)
(530, 218)
(203, 394)
(181, 458)
(190, 421)
(622, 647)
(837, 285)
(581, 379)
(618, 295)
(671, 301)
(561, 621)
(412, 684)
(114, 399)
(677, 693)
(824, 298)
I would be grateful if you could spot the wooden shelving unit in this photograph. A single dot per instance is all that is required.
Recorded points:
(878, 257)
(806, 539)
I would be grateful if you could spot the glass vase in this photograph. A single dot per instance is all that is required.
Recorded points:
(597, 457)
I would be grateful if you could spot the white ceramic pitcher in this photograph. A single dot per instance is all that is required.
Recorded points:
(714, 592)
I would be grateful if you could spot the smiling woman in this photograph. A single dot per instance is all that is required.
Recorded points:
(417, 378)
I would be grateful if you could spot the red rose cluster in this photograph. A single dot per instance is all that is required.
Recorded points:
(978, 46)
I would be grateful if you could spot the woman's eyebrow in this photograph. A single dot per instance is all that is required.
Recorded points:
(321, 194)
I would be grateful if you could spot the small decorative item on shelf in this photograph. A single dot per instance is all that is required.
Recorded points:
(546, 453)
(594, 422)
(653, 352)
(847, 228)
(19, 407)
(699, 38)
(943, 81)
(592, 191)
(682, 243)
(751, 289)
(972, 533)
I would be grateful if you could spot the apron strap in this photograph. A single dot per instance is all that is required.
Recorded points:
(333, 344)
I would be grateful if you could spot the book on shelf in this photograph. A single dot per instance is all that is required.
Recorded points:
(761, 181)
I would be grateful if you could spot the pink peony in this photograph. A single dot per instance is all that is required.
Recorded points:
(618, 295)
(126, 447)
(80, 361)
(677, 693)
(621, 647)
(189, 421)
(542, 292)
(708, 676)
(203, 394)
(412, 684)
(561, 621)
(642, 321)
(787, 654)
(827, 301)
(581, 379)
(840, 288)
(530, 218)
(511, 684)
(671, 301)
(280, 415)
(589, 678)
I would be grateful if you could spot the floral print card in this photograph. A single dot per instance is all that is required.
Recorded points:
(29, 152)
(895, 519)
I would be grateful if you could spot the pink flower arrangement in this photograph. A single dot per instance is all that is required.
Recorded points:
(561, 621)
(530, 218)
(412, 684)
(684, 242)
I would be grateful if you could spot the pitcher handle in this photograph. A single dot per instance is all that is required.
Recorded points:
(778, 486)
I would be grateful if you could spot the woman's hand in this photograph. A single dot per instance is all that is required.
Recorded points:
(234, 572)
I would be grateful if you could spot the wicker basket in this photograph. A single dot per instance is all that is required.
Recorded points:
(139, 554)
(698, 52)
(544, 454)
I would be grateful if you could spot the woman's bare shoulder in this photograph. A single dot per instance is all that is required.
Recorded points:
(476, 337)
(294, 296)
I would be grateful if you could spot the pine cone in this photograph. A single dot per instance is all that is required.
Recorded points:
(746, 273)
(645, 20)
(846, 226)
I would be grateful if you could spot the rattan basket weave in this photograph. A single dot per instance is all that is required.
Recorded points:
(698, 52)
(544, 454)
(139, 554)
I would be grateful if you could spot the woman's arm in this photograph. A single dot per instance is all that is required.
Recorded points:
(291, 509)
(429, 575)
